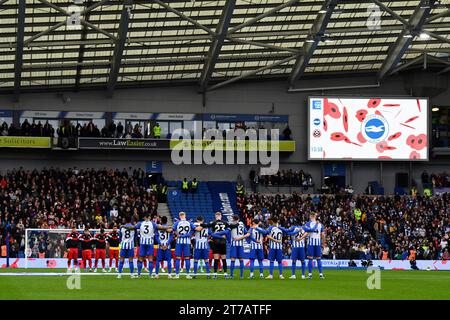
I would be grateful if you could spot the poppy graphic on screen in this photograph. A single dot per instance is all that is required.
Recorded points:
(374, 128)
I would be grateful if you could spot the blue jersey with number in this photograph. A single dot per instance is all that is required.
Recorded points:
(256, 237)
(127, 234)
(202, 238)
(164, 238)
(147, 231)
(238, 231)
(183, 229)
(314, 233)
(276, 233)
(297, 232)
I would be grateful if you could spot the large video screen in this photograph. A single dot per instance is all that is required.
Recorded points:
(368, 128)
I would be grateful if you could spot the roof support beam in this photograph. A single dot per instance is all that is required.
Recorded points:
(408, 64)
(391, 12)
(438, 16)
(119, 47)
(214, 50)
(251, 73)
(436, 36)
(264, 45)
(62, 23)
(261, 16)
(183, 16)
(398, 49)
(18, 63)
(317, 31)
(81, 51)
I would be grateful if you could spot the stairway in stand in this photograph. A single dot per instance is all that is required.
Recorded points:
(163, 210)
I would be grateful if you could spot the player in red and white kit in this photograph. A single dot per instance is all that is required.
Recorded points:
(86, 249)
(113, 239)
(72, 248)
(100, 249)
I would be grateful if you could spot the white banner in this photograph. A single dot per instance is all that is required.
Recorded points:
(132, 116)
(41, 114)
(337, 264)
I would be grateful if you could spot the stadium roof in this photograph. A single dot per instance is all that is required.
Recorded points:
(123, 43)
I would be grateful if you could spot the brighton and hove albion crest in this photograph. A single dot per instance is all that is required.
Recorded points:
(374, 128)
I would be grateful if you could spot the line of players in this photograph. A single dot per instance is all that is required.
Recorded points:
(74, 239)
(220, 232)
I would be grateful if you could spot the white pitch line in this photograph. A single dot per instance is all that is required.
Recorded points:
(59, 274)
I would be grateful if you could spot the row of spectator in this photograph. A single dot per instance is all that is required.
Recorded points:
(363, 227)
(55, 198)
(439, 180)
(70, 129)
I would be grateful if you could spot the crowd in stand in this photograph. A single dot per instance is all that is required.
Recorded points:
(439, 180)
(283, 178)
(54, 198)
(70, 129)
(26, 129)
(363, 227)
(357, 227)
(113, 130)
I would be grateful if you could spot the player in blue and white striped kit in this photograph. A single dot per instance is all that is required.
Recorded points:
(298, 235)
(126, 234)
(183, 230)
(164, 238)
(235, 236)
(201, 248)
(316, 237)
(275, 236)
(256, 237)
(147, 230)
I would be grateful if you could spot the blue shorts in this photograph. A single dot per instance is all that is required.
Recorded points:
(237, 252)
(164, 255)
(127, 253)
(298, 254)
(201, 254)
(257, 254)
(183, 249)
(314, 251)
(276, 255)
(145, 250)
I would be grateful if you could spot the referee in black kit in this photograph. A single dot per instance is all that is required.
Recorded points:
(219, 246)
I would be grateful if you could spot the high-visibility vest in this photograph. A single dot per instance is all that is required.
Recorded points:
(157, 131)
(194, 184)
(412, 255)
(184, 185)
(240, 189)
(384, 256)
(427, 192)
(358, 214)
(164, 190)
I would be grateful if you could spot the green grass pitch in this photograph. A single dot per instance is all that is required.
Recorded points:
(339, 284)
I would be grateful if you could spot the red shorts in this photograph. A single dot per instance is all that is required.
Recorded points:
(100, 254)
(73, 253)
(86, 254)
(114, 254)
